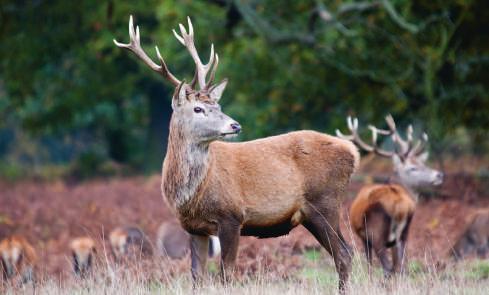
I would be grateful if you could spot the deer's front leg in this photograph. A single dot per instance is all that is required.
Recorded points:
(199, 247)
(229, 232)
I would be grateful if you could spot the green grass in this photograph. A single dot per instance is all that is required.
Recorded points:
(478, 270)
(312, 255)
(318, 276)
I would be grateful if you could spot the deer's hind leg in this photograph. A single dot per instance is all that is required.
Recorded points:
(399, 259)
(368, 254)
(323, 223)
(377, 232)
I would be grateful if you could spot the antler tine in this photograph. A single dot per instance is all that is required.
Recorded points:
(187, 39)
(409, 133)
(353, 126)
(376, 148)
(409, 136)
(134, 46)
(213, 72)
(395, 135)
(420, 145)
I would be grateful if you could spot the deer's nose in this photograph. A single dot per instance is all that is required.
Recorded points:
(236, 127)
(439, 175)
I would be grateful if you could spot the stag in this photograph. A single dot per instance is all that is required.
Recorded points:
(262, 188)
(381, 213)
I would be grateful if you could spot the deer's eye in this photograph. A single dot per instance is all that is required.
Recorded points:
(198, 110)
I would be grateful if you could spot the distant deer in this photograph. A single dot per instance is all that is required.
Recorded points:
(261, 188)
(173, 241)
(83, 252)
(129, 241)
(381, 213)
(475, 237)
(18, 259)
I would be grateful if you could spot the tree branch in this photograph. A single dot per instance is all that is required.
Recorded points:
(399, 20)
(270, 33)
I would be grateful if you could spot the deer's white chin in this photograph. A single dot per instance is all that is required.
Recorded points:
(437, 182)
(228, 135)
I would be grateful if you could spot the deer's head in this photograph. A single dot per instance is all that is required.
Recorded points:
(408, 157)
(196, 110)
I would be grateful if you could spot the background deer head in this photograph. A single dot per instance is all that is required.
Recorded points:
(196, 111)
(409, 158)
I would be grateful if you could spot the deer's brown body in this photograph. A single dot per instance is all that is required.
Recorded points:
(18, 259)
(268, 185)
(380, 215)
(475, 238)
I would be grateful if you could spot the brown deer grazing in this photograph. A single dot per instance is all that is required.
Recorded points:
(129, 241)
(173, 241)
(83, 252)
(475, 237)
(261, 188)
(381, 213)
(18, 260)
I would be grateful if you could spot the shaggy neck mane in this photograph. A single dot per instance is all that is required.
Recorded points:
(185, 166)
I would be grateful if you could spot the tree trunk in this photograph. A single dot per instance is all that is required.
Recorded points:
(159, 118)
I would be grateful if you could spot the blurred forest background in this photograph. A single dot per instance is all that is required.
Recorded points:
(72, 103)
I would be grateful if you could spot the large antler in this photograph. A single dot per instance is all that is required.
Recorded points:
(134, 45)
(406, 147)
(355, 137)
(201, 70)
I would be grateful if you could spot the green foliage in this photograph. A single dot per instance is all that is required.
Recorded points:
(88, 163)
(292, 65)
(10, 172)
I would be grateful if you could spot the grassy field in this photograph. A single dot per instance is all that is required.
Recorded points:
(317, 276)
(49, 214)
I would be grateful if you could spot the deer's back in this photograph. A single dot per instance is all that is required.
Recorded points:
(394, 200)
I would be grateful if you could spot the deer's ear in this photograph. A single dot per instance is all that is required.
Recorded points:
(423, 157)
(217, 90)
(179, 95)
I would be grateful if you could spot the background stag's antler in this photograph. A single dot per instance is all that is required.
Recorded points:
(406, 147)
(134, 45)
(355, 137)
